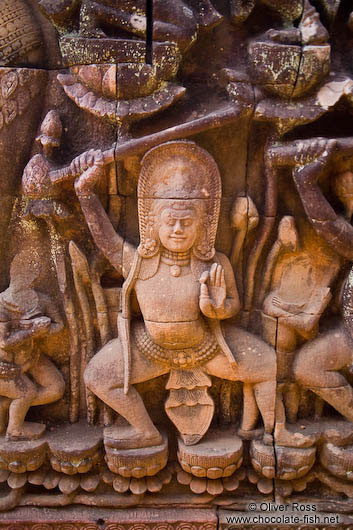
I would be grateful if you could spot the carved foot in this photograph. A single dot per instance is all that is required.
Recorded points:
(29, 431)
(285, 438)
(256, 434)
(146, 461)
(253, 434)
(267, 438)
(128, 438)
(285, 463)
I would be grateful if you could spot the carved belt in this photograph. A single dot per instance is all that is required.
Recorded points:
(184, 358)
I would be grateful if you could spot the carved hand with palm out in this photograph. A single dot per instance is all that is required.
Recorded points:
(213, 292)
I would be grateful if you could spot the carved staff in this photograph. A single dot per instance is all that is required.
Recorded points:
(136, 146)
(102, 317)
(81, 276)
(69, 308)
(267, 224)
(100, 301)
(243, 218)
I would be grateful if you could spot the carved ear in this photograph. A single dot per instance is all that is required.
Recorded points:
(150, 243)
(204, 245)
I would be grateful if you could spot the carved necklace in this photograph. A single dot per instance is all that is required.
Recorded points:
(175, 260)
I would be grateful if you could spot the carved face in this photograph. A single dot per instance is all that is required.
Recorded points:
(47, 149)
(178, 228)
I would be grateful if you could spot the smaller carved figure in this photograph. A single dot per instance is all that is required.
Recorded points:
(291, 314)
(27, 376)
(35, 181)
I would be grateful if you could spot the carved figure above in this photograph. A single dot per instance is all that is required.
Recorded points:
(177, 22)
(310, 30)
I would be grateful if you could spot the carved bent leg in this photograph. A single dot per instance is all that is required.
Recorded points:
(287, 393)
(250, 411)
(291, 399)
(104, 375)
(316, 368)
(50, 381)
(287, 405)
(22, 392)
(256, 365)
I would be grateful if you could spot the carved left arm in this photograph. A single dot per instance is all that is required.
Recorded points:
(334, 229)
(232, 303)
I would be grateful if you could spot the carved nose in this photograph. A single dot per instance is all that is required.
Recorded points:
(178, 229)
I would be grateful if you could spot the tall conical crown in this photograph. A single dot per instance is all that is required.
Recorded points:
(179, 170)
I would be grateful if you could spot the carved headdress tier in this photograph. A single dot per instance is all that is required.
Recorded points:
(184, 174)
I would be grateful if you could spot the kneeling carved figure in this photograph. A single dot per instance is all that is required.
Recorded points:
(27, 376)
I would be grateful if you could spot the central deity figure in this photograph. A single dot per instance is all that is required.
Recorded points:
(177, 291)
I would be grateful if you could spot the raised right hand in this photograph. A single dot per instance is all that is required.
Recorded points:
(90, 167)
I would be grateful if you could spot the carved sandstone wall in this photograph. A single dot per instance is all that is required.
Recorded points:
(176, 302)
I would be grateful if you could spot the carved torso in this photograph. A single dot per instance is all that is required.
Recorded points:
(170, 307)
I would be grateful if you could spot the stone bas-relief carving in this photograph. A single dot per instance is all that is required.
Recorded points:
(179, 194)
(175, 298)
